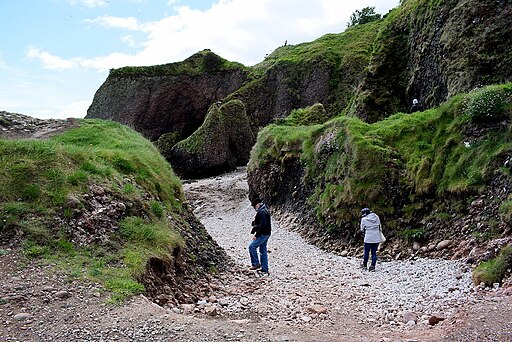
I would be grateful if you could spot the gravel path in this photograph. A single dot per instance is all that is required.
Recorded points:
(311, 295)
(308, 286)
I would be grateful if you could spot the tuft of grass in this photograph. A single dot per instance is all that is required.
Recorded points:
(494, 270)
(413, 234)
(157, 209)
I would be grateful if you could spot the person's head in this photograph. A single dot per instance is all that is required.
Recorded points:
(255, 202)
(365, 211)
(415, 101)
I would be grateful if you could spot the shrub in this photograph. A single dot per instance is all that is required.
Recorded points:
(494, 270)
(506, 211)
(413, 234)
(485, 104)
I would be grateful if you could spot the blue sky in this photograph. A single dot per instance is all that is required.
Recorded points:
(55, 54)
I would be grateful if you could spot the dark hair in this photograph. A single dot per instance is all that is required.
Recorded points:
(255, 201)
(365, 211)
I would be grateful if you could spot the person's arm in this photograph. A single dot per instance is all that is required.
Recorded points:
(256, 224)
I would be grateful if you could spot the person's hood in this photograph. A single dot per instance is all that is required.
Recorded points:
(371, 218)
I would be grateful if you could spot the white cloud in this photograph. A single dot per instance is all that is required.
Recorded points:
(90, 3)
(238, 30)
(50, 61)
(129, 23)
(73, 110)
(129, 40)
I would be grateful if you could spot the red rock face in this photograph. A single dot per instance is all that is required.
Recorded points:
(154, 105)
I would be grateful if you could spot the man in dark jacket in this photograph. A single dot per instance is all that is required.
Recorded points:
(261, 228)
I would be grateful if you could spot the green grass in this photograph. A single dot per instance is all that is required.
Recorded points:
(37, 176)
(203, 61)
(351, 164)
(494, 270)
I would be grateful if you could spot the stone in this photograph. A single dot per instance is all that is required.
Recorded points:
(433, 320)
(416, 246)
(72, 202)
(188, 308)
(318, 309)
(344, 253)
(409, 316)
(211, 310)
(443, 245)
(63, 294)
(23, 316)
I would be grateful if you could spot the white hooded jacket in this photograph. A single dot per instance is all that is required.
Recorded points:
(370, 226)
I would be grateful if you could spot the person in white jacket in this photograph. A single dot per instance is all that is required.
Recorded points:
(370, 226)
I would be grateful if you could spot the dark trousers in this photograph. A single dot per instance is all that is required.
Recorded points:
(367, 248)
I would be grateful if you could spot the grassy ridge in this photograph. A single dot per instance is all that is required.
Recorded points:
(201, 62)
(38, 176)
(352, 164)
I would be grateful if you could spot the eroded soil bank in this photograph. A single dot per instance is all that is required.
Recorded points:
(311, 295)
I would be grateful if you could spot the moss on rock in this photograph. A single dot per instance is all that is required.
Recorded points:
(221, 144)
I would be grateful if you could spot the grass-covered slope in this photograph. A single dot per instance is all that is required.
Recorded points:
(201, 62)
(327, 70)
(410, 168)
(100, 202)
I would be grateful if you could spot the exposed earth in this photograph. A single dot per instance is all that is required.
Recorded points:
(310, 295)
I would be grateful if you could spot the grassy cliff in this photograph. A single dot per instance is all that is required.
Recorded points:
(101, 203)
(410, 168)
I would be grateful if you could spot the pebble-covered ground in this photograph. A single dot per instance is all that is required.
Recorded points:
(307, 284)
(310, 295)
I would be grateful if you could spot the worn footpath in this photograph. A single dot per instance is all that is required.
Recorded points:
(310, 295)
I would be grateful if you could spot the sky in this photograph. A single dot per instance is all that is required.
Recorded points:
(55, 54)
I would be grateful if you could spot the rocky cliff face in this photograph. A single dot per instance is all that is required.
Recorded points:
(170, 99)
(432, 50)
(424, 49)
(221, 144)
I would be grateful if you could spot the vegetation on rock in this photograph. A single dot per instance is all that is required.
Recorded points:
(495, 270)
(366, 15)
(402, 167)
(202, 62)
(220, 144)
(101, 203)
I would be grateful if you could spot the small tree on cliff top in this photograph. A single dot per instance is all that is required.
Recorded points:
(366, 15)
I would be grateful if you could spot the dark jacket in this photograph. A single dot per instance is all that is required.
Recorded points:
(261, 224)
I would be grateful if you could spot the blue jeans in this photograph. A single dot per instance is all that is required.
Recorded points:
(260, 242)
(367, 248)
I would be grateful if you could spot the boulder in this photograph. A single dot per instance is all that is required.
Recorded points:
(221, 144)
(443, 245)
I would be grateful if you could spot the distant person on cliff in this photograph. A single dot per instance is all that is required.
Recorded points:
(416, 106)
(370, 226)
(261, 228)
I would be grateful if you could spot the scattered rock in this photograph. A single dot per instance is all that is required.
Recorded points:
(318, 309)
(62, 294)
(443, 244)
(23, 316)
(433, 320)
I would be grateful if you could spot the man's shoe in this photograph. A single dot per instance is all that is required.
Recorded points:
(263, 273)
(363, 266)
(372, 269)
(255, 267)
